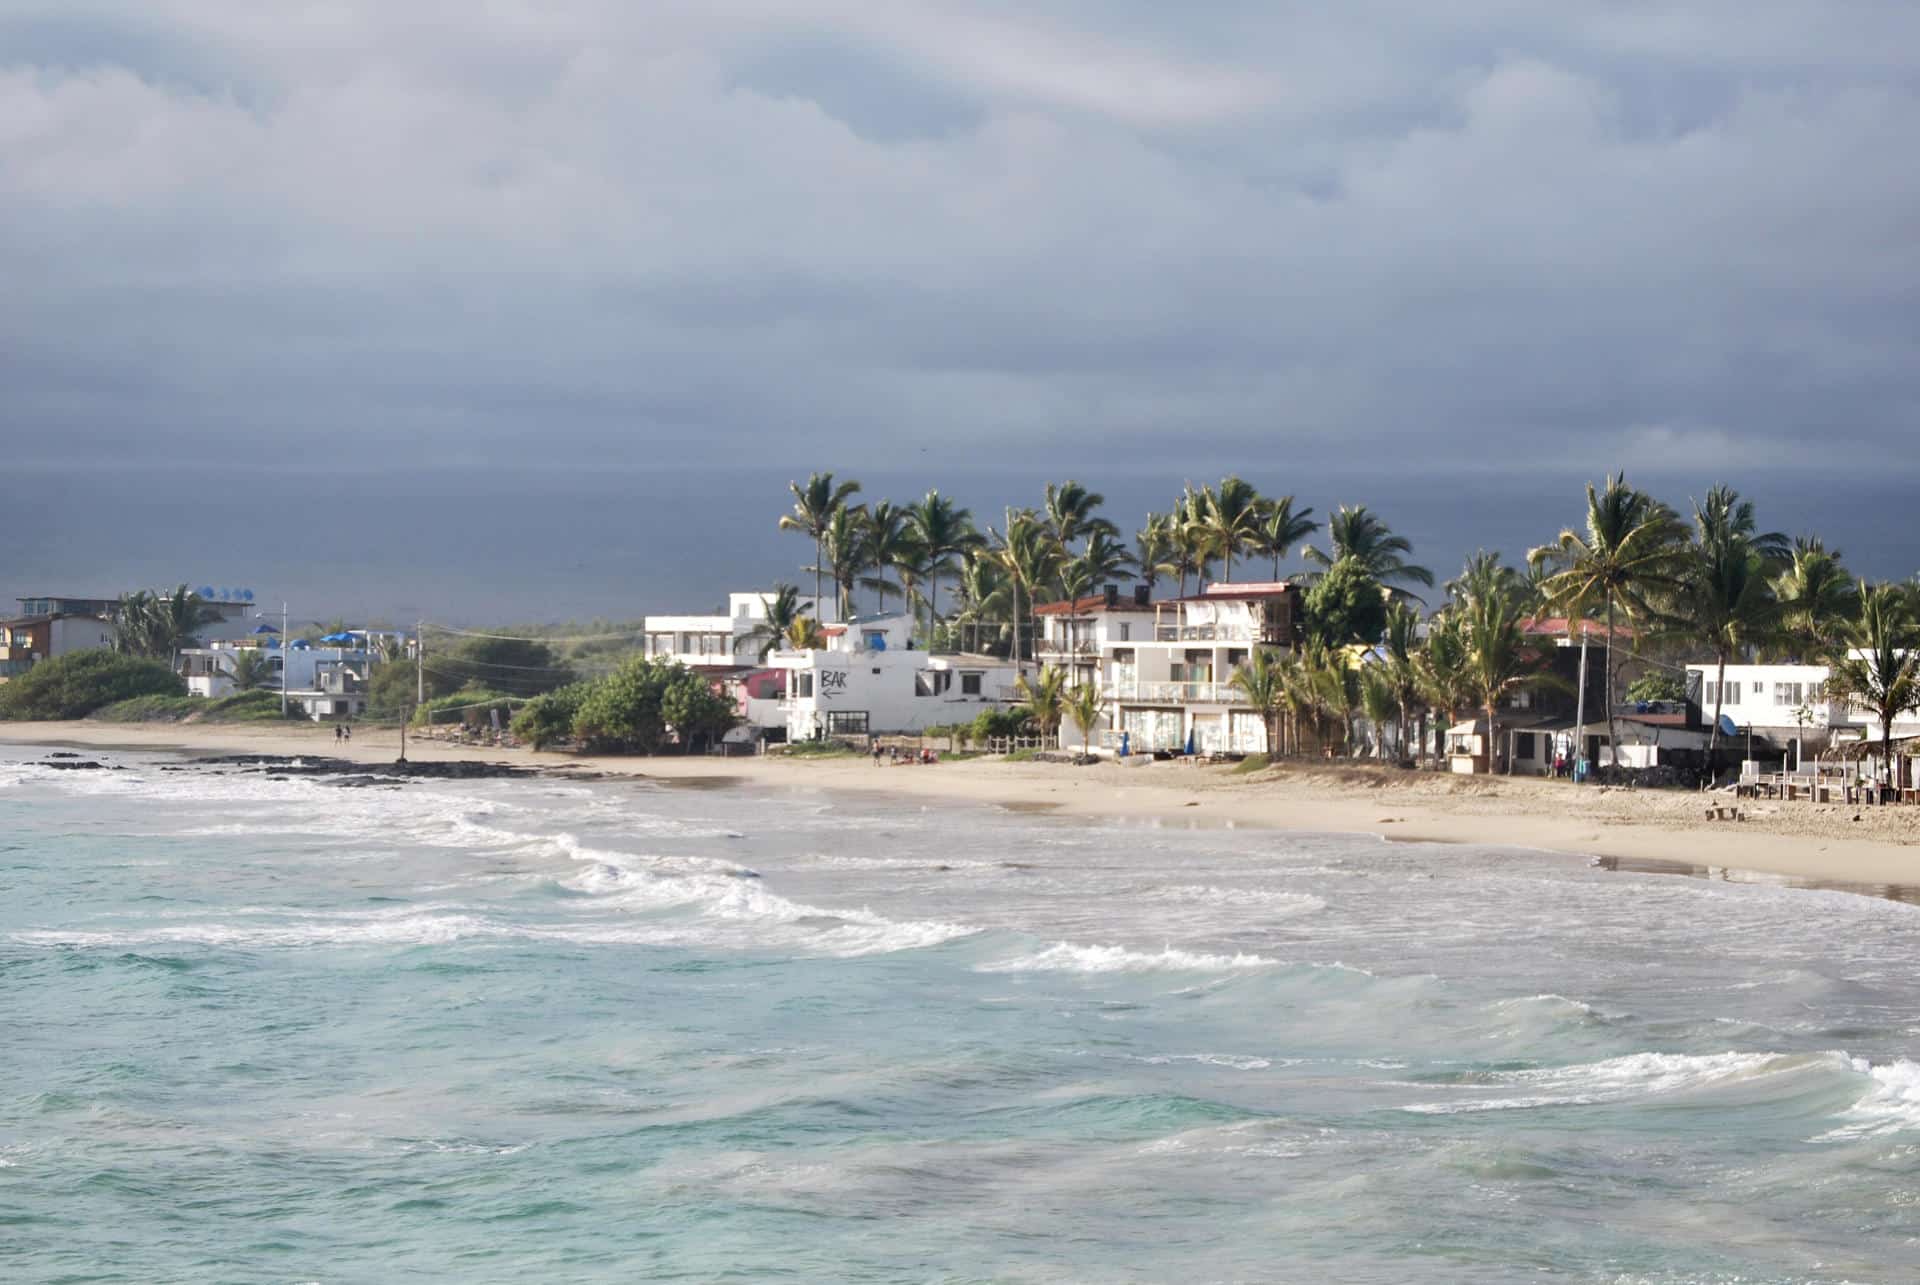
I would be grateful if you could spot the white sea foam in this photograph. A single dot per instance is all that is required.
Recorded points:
(1267, 901)
(1065, 957)
(1637, 1075)
(1890, 1104)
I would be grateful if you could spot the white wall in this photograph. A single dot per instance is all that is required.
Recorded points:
(78, 633)
(885, 685)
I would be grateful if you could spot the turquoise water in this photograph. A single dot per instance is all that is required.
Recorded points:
(530, 1030)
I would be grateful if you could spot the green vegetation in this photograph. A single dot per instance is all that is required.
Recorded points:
(637, 709)
(241, 707)
(156, 625)
(1657, 687)
(1252, 763)
(75, 685)
(469, 705)
(817, 750)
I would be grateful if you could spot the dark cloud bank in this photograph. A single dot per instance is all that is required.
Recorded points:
(345, 263)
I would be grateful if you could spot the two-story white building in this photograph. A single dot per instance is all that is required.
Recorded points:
(1786, 703)
(1176, 684)
(713, 642)
(325, 681)
(1079, 636)
(870, 678)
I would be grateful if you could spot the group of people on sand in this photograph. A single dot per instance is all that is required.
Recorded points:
(342, 732)
(894, 755)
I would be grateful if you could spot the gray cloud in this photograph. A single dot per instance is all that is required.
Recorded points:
(1666, 235)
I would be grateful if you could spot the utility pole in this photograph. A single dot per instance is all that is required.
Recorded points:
(285, 659)
(419, 668)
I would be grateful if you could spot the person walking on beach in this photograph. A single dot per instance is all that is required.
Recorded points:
(337, 733)
(348, 729)
(876, 753)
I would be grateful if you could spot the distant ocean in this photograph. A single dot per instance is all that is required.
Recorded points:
(467, 545)
(532, 1030)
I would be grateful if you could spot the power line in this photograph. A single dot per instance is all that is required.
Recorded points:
(578, 638)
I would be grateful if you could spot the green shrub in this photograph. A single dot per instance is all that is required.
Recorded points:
(548, 719)
(1252, 763)
(468, 705)
(149, 709)
(241, 707)
(998, 722)
(75, 685)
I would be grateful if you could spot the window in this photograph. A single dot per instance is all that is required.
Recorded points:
(803, 685)
(1787, 694)
(1711, 696)
(931, 682)
(970, 684)
(1126, 631)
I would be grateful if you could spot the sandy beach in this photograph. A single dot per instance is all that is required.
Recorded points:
(1826, 843)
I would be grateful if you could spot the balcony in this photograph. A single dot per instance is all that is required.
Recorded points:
(1175, 693)
(1059, 649)
(1219, 633)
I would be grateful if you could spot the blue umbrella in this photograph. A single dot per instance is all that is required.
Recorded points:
(336, 638)
(265, 629)
(1189, 742)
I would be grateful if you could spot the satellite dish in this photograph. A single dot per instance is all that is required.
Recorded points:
(1726, 726)
(247, 594)
(205, 591)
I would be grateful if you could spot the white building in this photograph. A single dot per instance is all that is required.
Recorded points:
(1079, 636)
(713, 642)
(871, 679)
(1177, 682)
(29, 639)
(1786, 703)
(325, 681)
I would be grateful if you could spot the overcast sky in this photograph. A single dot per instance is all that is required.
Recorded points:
(1130, 236)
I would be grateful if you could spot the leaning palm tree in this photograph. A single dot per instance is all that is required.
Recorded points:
(944, 532)
(1876, 664)
(1817, 598)
(1044, 698)
(1282, 526)
(784, 608)
(1226, 521)
(1628, 556)
(1355, 532)
(1084, 705)
(813, 508)
(1262, 679)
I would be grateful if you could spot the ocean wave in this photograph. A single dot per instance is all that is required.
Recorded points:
(1891, 1103)
(1065, 957)
(1267, 901)
(1636, 1075)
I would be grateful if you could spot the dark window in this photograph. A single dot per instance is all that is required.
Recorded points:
(970, 684)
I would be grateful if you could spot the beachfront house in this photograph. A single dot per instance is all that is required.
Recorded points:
(717, 644)
(46, 628)
(1078, 636)
(1784, 710)
(871, 678)
(323, 681)
(1173, 685)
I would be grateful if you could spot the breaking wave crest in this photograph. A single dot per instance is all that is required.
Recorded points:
(1065, 957)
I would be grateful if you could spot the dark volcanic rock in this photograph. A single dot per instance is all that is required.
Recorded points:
(282, 766)
(81, 765)
(63, 754)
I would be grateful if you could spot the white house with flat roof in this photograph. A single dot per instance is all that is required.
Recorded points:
(870, 678)
(1078, 636)
(717, 642)
(1786, 702)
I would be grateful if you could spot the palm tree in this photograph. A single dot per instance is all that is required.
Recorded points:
(1724, 598)
(1445, 680)
(843, 546)
(1227, 521)
(1876, 665)
(1083, 706)
(1155, 547)
(889, 539)
(156, 625)
(804, 634)
(1723, 515)
(1629, 554)
(1817, 597)
(1356, 533)
(783, 609)
(1380, 703)
(944, 532)
(1499, 658)
(1069, 516)
(813, 508)
(250, 669)
(1281, 527)
(1192, 555)
(1483, 574)
(1030, 557)
(984, 593)
(1044, 698)
(1399, 650)
(1262, 679)
(1321, 682)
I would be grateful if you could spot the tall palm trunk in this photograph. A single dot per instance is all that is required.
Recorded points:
(816, 568)
(1606, 697)
(933, 608)
(1719, 695)
(1493, 739)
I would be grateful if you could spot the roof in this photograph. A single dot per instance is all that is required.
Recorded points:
(1261, 590)
(1092, 603)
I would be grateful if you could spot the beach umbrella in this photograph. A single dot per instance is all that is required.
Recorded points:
(265, 629)
(337, 638)
(1189, 742)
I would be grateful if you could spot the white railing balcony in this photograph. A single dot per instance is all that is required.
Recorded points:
(1060, 647)
(1176, 693)
(1216, 633)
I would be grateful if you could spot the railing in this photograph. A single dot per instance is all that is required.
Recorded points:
(1217, 633)
(1176, 693)
(1050, 647)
